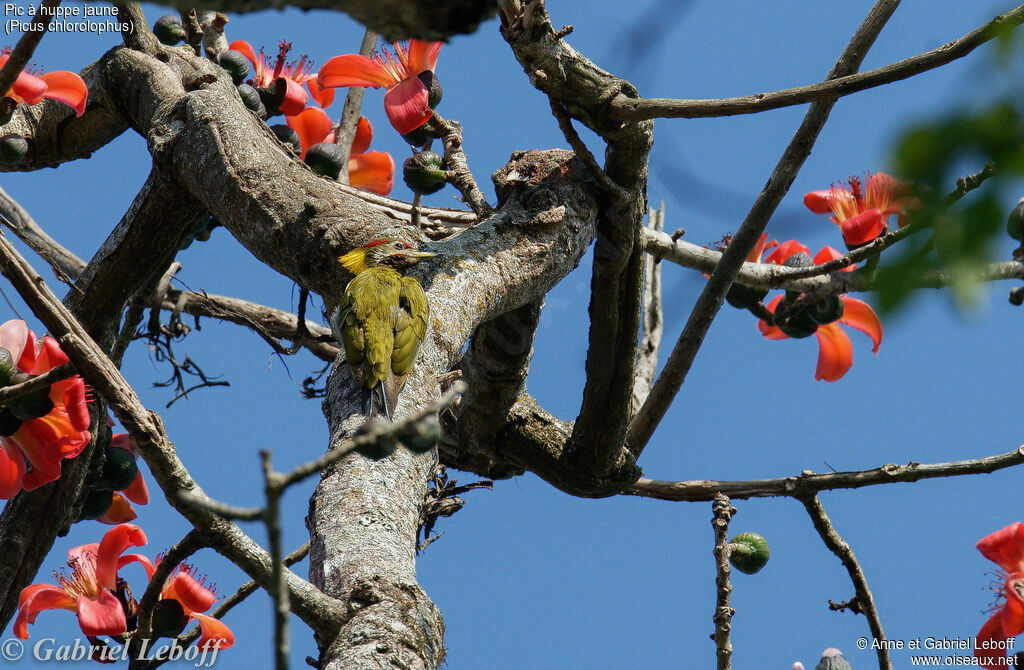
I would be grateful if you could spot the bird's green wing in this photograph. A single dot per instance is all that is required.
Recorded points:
(352, 337)
(410, 325)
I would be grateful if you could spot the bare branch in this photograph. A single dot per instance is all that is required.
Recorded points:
(809, 483)
(650, 342)
(460, 177)
(9, 393)
(839, 547)
(634, 109)
(723, 512)
(710, 300)
(350, 114)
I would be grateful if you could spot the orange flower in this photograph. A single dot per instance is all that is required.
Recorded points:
(41, 434)
(369, 170)
(120, 510)
(862, 215)
(407, 101)
(294, 75)
(89, 587)
(184, 590)
(60, 85)
(1006, 548)
(835, 352)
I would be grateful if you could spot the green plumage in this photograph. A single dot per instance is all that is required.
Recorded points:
(381, 321)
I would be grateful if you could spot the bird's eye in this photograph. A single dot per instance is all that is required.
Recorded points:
(398, 245)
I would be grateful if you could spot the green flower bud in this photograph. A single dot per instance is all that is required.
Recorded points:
(236, 64)
(168, 29)
(743, 297)
(418, 137)
(119, 469)
(1015, 222)
(96, 504)
(31, 406)
(424, 172)
(798, 323)
(13, 149)
(325, 159)
(168, 618)
(748, 552)
(250, 98)
(433, 85)
(833, 659)
(799, 260)
(287, 135)
(830, 308)
(272, 96)
(7, 367)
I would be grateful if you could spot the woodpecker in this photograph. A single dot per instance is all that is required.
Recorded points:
(381, 319)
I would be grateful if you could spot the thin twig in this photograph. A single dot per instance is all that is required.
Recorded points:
(582, 152)
(26, 46)
(450, 133)
(63, 371)
(710, 300)
(807, 483)
(624, 108)
(350, 114)
(723, 512)
(865, 601)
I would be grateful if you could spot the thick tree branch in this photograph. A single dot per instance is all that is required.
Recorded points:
(710, 299)
(650, 341)
(625, 108)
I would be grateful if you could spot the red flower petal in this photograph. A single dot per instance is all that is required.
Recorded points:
(29, 88)
(1013, 610)
(423, 55)
(364, 135)
(215, 632)
(1005, 547)
(113, 544)
(406, 105)
(323, 96)
(830, 254)
(36, 598)
(66, 87)
(835, 353)
(76, 405)
(785, 250)
(192, 595)
(762, 243)
(312, 126)
(354, 70)
(372, 171)
(991, 637)
(819, 202)
(101, 614)
(13, 338)
(12, 470)
(49, 357)
(858, 314)
(771, 332)
(125, 559)
(120, 511)
(862, 228)
(294, 98)
(137, 491)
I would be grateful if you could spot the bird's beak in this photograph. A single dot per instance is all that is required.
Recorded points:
(420, 254)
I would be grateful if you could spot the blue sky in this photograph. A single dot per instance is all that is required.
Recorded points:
(527, 576)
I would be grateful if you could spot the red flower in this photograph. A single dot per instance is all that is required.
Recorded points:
(294, 74)
(60, 85)
(1006, 548)
(195, 598)
(406, 101)
(861, 215)
(43, 441)
(88, 588)
(120, 510)
(369, 170)
(835, 352)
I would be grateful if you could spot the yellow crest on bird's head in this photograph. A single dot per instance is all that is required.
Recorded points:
(384, 252)
(354, 261)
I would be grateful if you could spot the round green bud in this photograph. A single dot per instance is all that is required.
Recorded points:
(119, 469)
(96, 504)
(433, 85)
(833, 659)
(748, 552)
(13, 149)
(236, 64)
(287, 135)
(7, 367)
(168, 29)
(743, 297)
(325, 159)
(799, 260)
(798, 323)
(829, 309)
(422, 436)
(424, 172)
(250, 97)
(168, 618)
(418, 137)
(32, 406)
(1015, 222)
